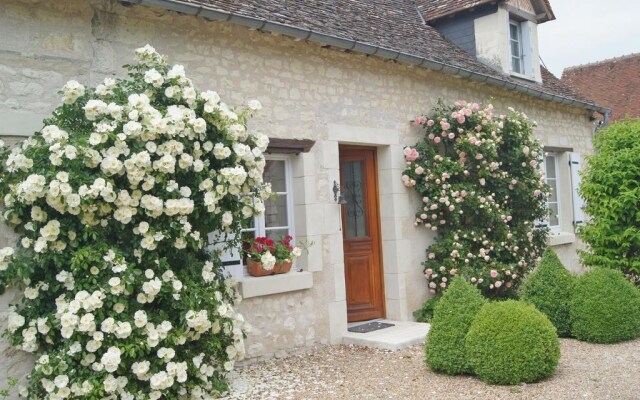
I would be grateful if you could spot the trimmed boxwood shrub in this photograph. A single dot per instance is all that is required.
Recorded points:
(605, 308)
(454, 313)
(511, 342)
(549, 289)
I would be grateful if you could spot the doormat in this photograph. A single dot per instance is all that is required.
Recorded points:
(369, 327)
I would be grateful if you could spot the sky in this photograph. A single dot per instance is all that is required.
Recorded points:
(585, 31)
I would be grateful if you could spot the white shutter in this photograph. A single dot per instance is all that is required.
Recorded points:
(575, 165)
(230, 256)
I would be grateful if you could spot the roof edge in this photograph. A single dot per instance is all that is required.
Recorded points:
(356, 46)
(600, 62)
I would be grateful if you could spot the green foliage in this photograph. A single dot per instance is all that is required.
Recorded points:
(611, 191)
(605, 308)
(454, 313)
(511, 342)
(425, 313)
(478, 177)
(549, 289)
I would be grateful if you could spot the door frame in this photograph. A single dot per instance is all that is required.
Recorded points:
(374, 215)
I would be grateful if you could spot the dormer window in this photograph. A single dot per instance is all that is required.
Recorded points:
(515, 41)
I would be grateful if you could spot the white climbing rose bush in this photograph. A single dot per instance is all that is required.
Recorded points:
(113, 200)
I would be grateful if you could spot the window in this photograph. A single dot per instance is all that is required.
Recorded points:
(553, 201)
(515, 46)
(276, 221)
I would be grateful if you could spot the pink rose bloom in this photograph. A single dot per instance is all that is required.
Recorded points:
(419, 170)
(493, 273)
(475, 106)
(461, 119)
(537, 193)
(498, 284)
(444, 279)
(431, 136)
(443, 285)
(436, 140)
(430, 122)
(525, 149)
(420, 120)
(445, 125)
(482, 182)
(432, 285)
(473, 140)
(460, 103)
(452, 135)
(454, 114)
(533, 163)
(429, 271)
(508, 284)
(432, 256)
(453, 272)
(479, 156)
(410, 154)
(468, 112)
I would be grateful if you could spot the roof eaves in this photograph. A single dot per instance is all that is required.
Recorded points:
(355, 46)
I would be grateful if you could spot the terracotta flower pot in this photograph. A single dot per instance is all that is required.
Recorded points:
(283, 267)
(255, 268)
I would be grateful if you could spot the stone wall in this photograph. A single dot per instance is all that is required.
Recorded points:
(304, 88)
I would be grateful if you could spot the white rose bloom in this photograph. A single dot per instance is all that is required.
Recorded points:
(123, 330)
(31, 293)
(140, 319)
(227, 218)
(52, 134)
(154, 78)
(94, 108)
(15, 321)
(254, 105)
(71, 91)
(61, 381)
(111, 359)
(268, 261)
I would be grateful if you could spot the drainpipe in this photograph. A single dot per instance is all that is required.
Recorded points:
(210, 13)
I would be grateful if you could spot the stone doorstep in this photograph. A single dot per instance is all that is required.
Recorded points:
(403, 334)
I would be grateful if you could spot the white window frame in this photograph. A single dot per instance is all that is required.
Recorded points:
(518, 41)
(259, 224)
(556, 183)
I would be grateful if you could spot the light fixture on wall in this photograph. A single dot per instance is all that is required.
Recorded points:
(337, 194)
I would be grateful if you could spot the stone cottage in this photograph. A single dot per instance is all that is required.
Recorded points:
(339, 82)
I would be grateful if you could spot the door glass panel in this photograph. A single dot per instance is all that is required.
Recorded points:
(353, 188)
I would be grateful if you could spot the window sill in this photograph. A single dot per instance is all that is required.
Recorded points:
(523, 77)
(255, 286)
(558, 238)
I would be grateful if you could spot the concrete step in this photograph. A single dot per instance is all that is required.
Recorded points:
(402, 334)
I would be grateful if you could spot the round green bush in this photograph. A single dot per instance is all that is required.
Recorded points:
(605, 308)
(453, 315)
(549, 288)
(511, 342)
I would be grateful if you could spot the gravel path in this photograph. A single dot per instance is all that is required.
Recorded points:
(586, 371)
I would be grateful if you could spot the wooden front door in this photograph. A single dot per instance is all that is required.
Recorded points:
(361, 233)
